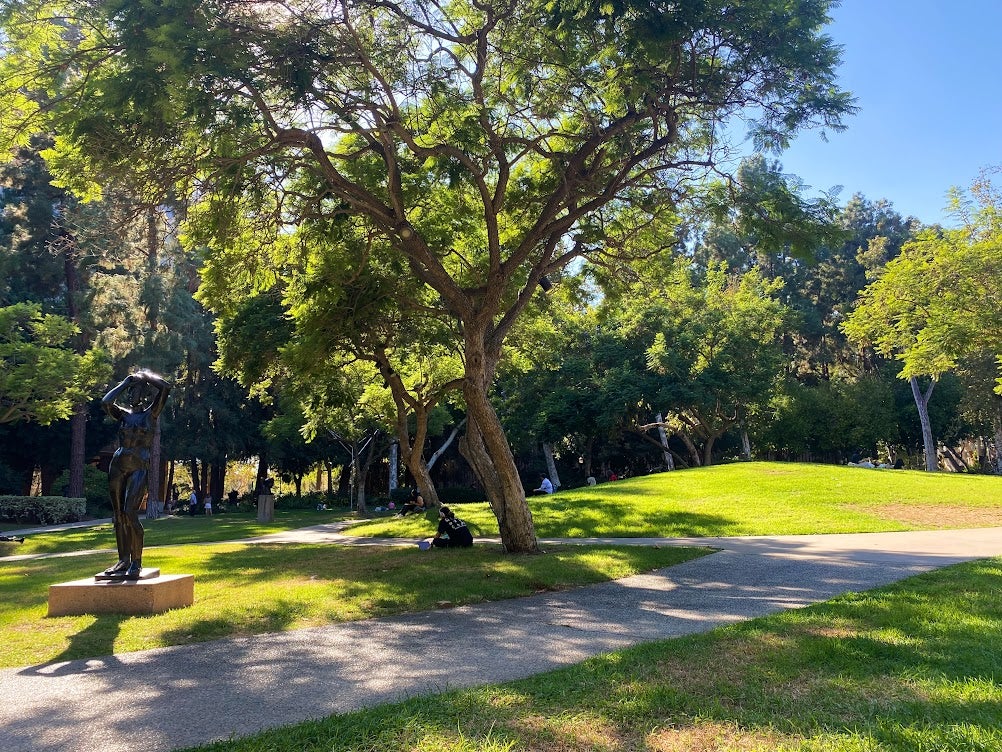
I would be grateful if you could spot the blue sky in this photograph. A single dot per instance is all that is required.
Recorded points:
(927, 76)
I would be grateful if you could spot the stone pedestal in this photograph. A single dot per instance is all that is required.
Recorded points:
(152, 595)
(265, 508)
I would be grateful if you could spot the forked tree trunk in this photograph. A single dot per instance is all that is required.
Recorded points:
(486, 448)
(928, 442)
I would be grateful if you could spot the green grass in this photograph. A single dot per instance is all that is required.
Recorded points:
(252, 589)
(753, 498)
(910, 667)
(169, 531)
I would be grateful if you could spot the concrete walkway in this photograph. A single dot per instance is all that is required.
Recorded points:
(174, 697)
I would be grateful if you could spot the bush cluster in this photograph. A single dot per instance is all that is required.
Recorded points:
(41, 510)
(95, 490)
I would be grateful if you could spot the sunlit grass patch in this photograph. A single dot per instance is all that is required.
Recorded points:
(752, 498)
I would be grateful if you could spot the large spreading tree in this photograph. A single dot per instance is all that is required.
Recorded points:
(485, 143)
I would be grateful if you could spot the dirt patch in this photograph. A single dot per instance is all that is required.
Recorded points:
(937, 517)
(710, 737)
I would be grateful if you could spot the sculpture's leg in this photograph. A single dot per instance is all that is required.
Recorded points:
(134, 528)
(116, 486)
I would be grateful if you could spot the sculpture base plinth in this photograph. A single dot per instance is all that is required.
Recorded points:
(266, 508)
(144, 596)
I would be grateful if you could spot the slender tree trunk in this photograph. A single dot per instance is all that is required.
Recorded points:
(745, 444)
(195, 478)
(486, 448)
(445, 444)
(998, 440)
(663, 436)
(78, 451)
(691, 447)
(153, 494)
(922, 403)
(394, 466)
(551, 466)
(262, 473)
(344, 480)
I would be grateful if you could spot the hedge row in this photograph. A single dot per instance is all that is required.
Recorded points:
(42, 510)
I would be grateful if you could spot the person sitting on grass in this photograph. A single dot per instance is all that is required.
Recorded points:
(452, 531)
(414, 505)
(545, 486)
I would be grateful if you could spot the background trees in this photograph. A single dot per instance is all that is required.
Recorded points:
(525, 124)
(372, 198)
(936, 308)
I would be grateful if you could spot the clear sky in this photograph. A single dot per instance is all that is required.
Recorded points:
(927, 76)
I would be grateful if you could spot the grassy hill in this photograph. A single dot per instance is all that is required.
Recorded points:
(749, 498)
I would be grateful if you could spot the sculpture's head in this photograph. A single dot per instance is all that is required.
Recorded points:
(139, 397)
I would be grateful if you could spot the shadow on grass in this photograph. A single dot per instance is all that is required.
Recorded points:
(89, 650)
(911, 666)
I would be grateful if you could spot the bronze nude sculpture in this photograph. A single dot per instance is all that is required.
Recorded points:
(128, 473)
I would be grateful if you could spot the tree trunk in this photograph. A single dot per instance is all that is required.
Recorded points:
(195, 478)
(394, 466)
(997, 425)
(691, 446)
(708, 451)
(486, 448)
(922, 403)
(344, 480)
(745, 444)
(445, 444)
(551, 466)
(78, 451)
(663, 436)
(153, 494)
(262, 474)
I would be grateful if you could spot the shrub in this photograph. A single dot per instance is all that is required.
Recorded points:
(42, 510)
(95, 490)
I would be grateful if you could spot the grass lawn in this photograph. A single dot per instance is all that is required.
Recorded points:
(251, 589)
(747, 498)
(168, 531)
(911, 667)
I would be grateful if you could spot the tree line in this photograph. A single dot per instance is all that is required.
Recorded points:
(389, 218)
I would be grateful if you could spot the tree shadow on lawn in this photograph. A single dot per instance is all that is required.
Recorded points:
(922, 652)
(891, 669)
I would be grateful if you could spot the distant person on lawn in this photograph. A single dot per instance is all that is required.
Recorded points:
(414, 505)
(545, 486)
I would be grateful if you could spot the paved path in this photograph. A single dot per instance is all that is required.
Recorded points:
(174, 697)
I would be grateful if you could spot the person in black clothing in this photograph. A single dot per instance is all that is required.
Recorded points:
(414, 505)
(452, 531)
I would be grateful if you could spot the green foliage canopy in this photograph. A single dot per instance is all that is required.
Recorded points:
(41, 377)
